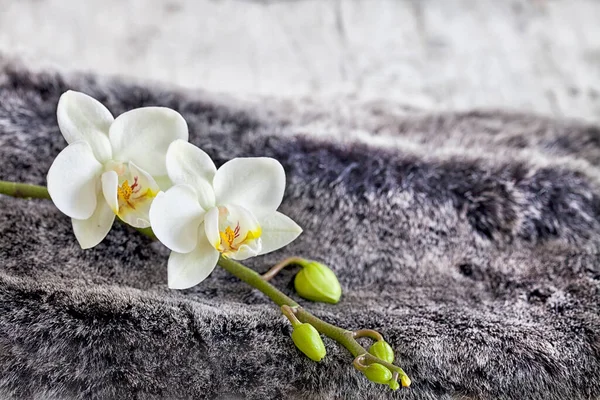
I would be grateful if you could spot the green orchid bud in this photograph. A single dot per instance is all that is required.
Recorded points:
(307, 339)
(394, 385)
(382, 350)
(378, 373)
(317, 282)
(405, 380)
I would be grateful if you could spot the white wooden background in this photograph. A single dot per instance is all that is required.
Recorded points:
(542, 56)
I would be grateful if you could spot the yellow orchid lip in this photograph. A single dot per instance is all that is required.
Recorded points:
(229, 235)
(133, 195)
(228, 243)
(125, 191)
(130, 195)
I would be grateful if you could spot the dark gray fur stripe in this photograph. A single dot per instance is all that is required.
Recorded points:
(471, 244)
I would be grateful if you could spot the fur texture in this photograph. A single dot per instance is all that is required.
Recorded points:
(470, 241)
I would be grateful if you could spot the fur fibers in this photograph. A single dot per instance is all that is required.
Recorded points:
(469, 240)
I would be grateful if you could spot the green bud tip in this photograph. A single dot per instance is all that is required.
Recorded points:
(317, 282)
(378, 373)
(307, 340)
(382, 350)
(394, 385)
(405, 380)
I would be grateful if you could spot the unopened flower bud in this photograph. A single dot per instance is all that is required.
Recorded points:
(307, 339)
(394, 385)
(378, 373)
(405, 380)
(317, 282)
(382, 350)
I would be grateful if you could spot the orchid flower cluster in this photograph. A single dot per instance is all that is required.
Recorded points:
(120, 167)
(141, 169)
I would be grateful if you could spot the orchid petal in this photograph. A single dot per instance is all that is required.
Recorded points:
(89, 232)
(143, 136)
(176, 217)
(145, 180)
(163, 182)
(187, 163)
(211, 227)
(278, 230)
(73, 180)
(257, 184)
(189, 269)
(110, 183)
(244, 252)
(81, 117)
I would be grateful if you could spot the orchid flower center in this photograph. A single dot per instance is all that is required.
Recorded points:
(229, 236)
(239, 232)
(135, 190)
(125, 192)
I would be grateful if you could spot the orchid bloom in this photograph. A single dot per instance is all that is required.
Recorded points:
(231, 211)
(110, 166)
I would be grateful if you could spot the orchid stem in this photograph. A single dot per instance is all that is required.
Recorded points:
(368, 333)
(270, 274)
(253, 279)
(343, 336)
(289, 314)
(24, 190)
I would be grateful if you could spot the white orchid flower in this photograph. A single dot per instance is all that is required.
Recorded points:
(110, 166)
(230, 211)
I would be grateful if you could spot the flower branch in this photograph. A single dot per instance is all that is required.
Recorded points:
(344, 337)
(140, 169)
(292, 309)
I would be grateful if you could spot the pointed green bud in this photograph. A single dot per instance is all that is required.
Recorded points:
(405, 380)
(394, 385)
(378, 373)
(317, 282)
(382, 350)
(307, 339)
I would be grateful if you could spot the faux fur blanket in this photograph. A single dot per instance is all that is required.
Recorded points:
(470, 241)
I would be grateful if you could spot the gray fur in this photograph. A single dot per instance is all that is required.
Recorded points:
(470, 241)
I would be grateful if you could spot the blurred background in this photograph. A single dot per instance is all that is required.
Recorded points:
(529, 55)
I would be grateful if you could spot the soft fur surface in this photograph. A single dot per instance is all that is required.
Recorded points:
(471, 241)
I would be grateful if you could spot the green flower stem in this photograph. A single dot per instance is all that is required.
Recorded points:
(270, 274)
(368, 333)
(24, 190)
(344, 337)
(290, 315)
(253, 279)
